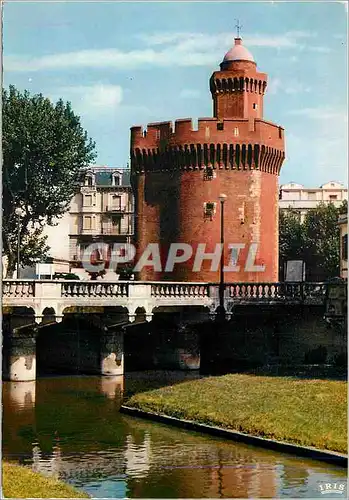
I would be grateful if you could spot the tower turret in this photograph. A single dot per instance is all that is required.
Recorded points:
(238, 88)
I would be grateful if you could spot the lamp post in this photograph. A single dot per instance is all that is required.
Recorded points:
(19, 213)
(222, 198)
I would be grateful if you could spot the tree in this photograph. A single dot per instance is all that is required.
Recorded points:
(315, 240)
(44, 148)
(322, 245)
(291, 237)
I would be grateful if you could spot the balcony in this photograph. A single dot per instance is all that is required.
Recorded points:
(117, 209)
(306, 204)
(90, 232)
(116, 231)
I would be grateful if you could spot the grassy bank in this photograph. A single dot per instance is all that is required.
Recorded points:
(304, 412)
(22, 482)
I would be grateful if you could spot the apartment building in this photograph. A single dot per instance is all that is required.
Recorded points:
(101, 212)
(296, 196)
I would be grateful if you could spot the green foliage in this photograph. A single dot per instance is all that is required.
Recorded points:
(322, 243)
(281, 408)
(291, 235)
(44, 148)
(343, 209)
(315, 240)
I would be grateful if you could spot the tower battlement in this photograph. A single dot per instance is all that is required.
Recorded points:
(209, 130)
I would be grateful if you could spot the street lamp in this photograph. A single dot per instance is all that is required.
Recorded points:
(222, 198)
(19, 213)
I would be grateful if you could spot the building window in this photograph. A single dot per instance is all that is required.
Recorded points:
(220, 126)
(88, 200)
(208, 174)
(312, 195)
(209, 210)
(116, 180)
(255, 106)
(236, 132)
(116, 204)
(345, 247)
(89, 180)
(87, 222)
(157, 135)
(116, 225)
(333, 197)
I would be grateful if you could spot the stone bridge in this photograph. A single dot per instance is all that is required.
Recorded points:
(97, 314)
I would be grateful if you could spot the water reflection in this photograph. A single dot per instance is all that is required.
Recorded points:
(138, 457)
(71, 428)
(22, 395)
(49, 465)
(113, 387)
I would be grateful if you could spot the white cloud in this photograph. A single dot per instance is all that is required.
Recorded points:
(274, 85)
(161, 49)
(97, 99)
(321, 50)
(189, 94)
(290, 87)
(325, 146)
(296, 88)
(321, 113)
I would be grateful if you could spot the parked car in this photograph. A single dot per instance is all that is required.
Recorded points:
(65, 276)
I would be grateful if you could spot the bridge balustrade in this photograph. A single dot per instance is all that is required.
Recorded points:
(94, 289)
(55, 294)
(18, 288)
(163, 290)
(287, 292)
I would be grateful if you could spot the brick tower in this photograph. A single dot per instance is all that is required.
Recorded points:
(178, 174)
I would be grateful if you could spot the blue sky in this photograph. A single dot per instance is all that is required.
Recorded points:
(125, 63)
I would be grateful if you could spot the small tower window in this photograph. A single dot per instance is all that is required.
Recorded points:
(208, 174)
(255, 106)
(236, 132)
(220, 126)
(209, 210)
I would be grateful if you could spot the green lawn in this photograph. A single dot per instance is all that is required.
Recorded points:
(306, 412)
(22, 482)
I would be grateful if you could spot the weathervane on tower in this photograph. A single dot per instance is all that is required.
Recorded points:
(238, 27)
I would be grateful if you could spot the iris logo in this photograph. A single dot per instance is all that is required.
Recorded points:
(329, 488)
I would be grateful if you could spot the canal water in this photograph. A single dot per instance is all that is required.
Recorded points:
(71, 428)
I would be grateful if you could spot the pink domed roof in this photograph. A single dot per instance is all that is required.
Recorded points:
(238, 53)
